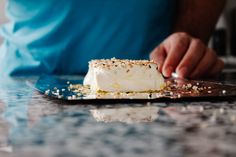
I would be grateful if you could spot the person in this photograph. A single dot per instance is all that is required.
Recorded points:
(60, 37)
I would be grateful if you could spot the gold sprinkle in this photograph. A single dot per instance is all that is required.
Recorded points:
(195, 88)
(105, 63)
(189, 85)
(209, 92)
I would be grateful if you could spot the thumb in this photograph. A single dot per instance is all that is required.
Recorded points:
(158, 55)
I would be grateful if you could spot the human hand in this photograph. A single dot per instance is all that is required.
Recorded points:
(187, 56)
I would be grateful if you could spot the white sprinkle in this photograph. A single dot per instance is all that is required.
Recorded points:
(189, 85)
(194, 87)
(73, 97)
(59, 96)
(47, 91)
(55, 93)
(71, 86)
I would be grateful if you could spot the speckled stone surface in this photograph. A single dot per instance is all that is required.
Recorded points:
(31, 125)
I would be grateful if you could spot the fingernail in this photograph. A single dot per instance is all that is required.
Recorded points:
(168, 71)
(159, 67)
(183, 72)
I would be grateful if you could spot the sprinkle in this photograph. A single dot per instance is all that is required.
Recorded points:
(200, 89)
(195, 88)
(224, 91)
(209, 92)
(59, 96)
(73, 97)
(189, 85)
(47, 92)
(55, 93)
(107, 63)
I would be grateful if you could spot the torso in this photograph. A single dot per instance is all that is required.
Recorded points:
(51, 36)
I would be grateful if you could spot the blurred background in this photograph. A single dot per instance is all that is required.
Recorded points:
(223, 40)
(2, 16)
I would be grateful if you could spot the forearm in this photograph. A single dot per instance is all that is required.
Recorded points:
(198, 17)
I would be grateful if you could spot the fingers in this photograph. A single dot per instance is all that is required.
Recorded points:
(175, 52)
(158, 55)
(217, 68)
(205, 65)
(186, 55)
(191, 58)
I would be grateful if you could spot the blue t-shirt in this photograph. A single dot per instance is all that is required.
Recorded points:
(60, 37)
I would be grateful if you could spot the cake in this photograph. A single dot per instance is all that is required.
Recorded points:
(116, 75)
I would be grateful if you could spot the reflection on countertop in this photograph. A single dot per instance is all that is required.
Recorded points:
(31, 125)
(126, 114)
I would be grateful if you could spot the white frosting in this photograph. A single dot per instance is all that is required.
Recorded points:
(123, 76)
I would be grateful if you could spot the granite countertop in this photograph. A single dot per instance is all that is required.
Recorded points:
(31, 125)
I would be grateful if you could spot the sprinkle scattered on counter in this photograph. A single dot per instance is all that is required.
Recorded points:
(173, 89)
